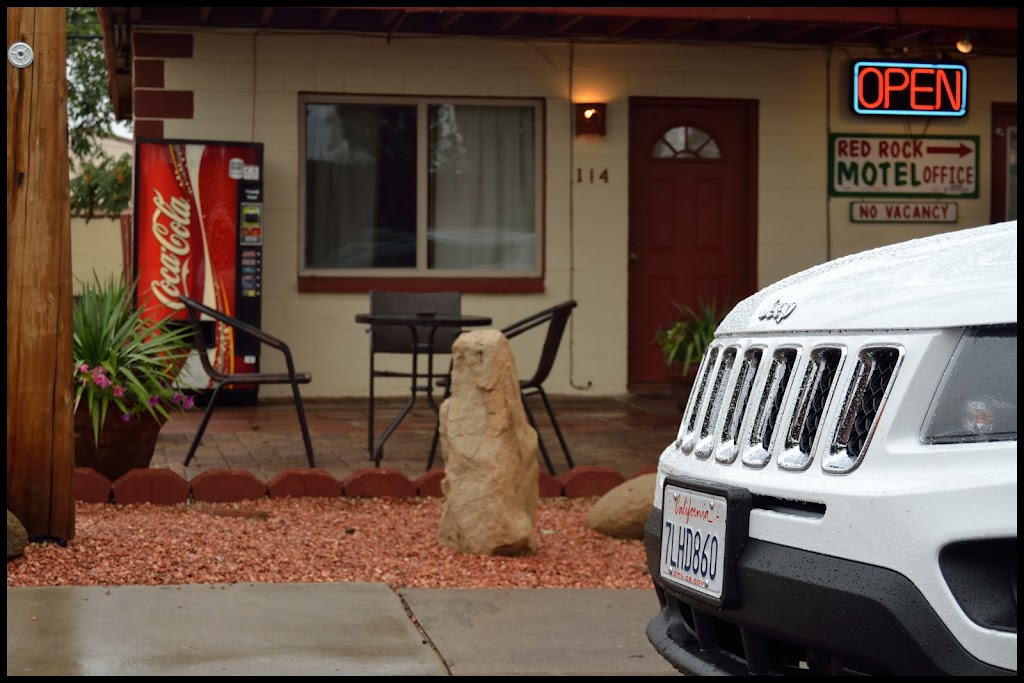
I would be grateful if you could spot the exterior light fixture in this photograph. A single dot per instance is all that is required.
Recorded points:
(590, 119)
(964, 45)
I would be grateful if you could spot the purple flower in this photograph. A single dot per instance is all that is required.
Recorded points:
(126, 417)
(177, 398)
(119, 391)
(189, 402)
(100, 378)
(154, 400)
(84, 368)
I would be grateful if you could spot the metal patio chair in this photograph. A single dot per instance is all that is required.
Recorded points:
(222, 379)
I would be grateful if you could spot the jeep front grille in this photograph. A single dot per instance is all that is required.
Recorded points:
(788, 402)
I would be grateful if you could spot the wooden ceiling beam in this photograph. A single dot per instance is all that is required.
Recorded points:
(673, 28)
(736, 29)
(327, 16)
(392, 20)
(620, 26)
(859, 33)
(509, 22)
(450, 20)
(795, 31)
(568, 24)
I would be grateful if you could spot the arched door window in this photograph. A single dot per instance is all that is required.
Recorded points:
(685, 142)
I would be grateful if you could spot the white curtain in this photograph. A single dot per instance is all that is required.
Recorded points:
(481, 187)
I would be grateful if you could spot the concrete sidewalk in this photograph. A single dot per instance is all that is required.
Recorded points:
(328, 629)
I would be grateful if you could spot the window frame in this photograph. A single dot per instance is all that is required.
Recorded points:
(421, 278)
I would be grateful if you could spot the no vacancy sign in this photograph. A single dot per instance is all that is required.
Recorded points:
(903, 212)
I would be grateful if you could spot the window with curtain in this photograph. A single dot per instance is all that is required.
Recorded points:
(420, 187)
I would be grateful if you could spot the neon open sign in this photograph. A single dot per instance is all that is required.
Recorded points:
(909, 89)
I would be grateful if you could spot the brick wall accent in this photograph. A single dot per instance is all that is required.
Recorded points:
(163, 45)
(164, 104)
(149, 73)
(151, 128)
(152, 104)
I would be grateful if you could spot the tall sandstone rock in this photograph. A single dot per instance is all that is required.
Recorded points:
(490, 453)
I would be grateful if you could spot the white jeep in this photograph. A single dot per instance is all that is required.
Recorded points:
(841, 497)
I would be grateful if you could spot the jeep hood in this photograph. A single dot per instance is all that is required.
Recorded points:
(960, 278)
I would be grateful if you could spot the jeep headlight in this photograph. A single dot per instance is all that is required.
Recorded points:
(977, 396)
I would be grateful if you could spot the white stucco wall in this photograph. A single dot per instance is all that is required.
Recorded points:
(95, 246)
(96, 243)
(246, 89)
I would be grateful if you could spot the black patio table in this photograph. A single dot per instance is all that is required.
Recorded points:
(417, 323)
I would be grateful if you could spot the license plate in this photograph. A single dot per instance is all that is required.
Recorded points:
(693, 539)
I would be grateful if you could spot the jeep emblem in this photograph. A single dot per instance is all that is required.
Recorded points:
(778, 311)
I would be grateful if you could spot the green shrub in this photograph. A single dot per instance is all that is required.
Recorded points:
(687, 338)
(122, 359)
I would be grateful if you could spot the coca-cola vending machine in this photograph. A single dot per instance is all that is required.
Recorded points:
(198, 231)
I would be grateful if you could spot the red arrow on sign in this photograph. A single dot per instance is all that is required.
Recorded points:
(962, 150)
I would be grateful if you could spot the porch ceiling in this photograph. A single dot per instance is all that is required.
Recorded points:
(916, 30)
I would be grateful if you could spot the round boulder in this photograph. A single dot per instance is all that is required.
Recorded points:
(17, 537)
(621, 512)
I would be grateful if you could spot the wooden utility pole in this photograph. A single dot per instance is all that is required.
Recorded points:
(40, 436)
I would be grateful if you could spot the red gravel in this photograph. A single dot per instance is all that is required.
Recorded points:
(312, 540)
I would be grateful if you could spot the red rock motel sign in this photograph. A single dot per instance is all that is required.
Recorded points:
(909, 89)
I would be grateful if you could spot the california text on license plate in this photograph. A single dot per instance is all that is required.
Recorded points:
(693, 539)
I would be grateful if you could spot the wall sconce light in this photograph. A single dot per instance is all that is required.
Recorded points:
(964, 45)
(590, 119)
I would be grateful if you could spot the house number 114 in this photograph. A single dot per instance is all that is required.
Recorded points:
(591, 174)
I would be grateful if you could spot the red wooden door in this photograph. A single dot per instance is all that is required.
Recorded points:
(692, 213)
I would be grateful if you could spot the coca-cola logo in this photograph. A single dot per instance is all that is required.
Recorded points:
(171, 220)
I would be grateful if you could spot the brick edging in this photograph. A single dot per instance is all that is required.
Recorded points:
(166, 487)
